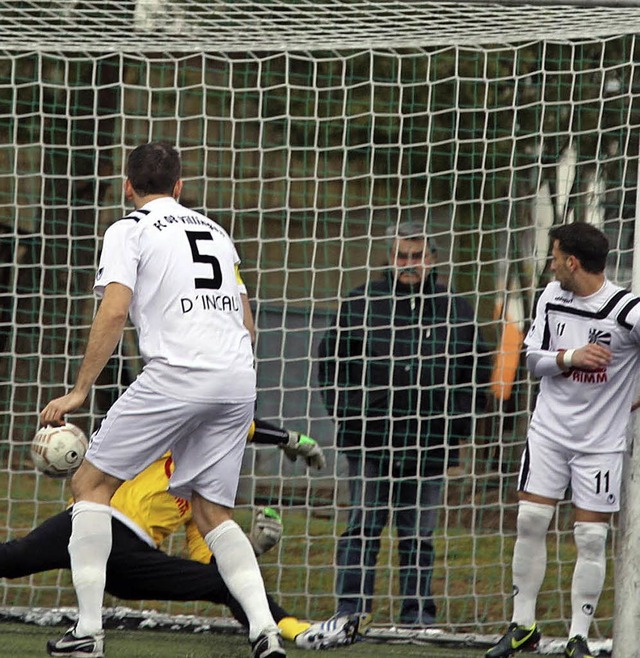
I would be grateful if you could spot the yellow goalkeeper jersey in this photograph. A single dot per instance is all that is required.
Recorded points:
(147, 508)
(146, 503)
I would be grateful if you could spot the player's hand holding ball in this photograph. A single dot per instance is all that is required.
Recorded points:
(56, 410)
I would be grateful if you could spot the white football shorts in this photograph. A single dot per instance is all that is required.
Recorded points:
(207, 441)
(547, 469)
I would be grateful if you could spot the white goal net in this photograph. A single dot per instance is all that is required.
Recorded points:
(307, 129)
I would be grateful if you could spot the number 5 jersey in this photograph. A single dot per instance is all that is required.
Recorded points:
(186, 307)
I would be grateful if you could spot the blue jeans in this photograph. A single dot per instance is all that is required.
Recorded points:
(376, 486)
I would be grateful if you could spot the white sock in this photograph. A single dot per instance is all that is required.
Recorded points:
(529, 559)
(239, 569)
(588, 574)
(89, 548)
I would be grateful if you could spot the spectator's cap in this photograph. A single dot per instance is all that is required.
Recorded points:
(409, 231)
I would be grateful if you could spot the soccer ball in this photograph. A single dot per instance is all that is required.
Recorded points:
(58, 451)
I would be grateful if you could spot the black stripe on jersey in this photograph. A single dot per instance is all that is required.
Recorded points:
(524, 473)
(598, 315)
(622, 316)
(134, 214)
(546, 336)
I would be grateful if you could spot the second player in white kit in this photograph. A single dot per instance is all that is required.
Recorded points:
(584, 346)
(584, 411)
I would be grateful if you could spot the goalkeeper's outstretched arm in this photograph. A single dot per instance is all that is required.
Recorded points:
(292, 443)
(263, 433)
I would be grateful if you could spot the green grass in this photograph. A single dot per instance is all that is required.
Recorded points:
(28, 641)
(471, 578)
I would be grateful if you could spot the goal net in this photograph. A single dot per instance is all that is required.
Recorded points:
(307, 129)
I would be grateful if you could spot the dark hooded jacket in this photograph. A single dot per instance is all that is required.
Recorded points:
(403, 369)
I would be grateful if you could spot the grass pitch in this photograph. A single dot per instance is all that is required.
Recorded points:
(28, 641)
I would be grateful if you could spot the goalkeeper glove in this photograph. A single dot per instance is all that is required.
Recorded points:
(266, 531)
(300, 445)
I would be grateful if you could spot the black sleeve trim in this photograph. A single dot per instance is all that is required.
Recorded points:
(622, 316)
(135, 215)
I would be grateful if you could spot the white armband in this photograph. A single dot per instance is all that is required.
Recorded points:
(567, 359)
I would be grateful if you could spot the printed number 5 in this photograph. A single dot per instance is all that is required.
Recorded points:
(215, 281)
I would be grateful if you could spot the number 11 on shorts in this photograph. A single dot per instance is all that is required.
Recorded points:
(602, 482)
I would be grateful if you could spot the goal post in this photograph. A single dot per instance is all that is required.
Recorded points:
(626, 622)
(307, 129)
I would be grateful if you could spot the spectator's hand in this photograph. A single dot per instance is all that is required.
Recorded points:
(266, 531)
(300, 445)
(635, 405)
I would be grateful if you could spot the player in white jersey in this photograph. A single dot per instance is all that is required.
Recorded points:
(584, 345)
(174, 272)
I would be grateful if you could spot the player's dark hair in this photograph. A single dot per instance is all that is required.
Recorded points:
(154, 168)
(584, 241)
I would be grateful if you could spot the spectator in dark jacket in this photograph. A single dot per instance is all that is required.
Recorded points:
(399, 371)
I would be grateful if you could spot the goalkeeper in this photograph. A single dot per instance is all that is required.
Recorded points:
(144, 515)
